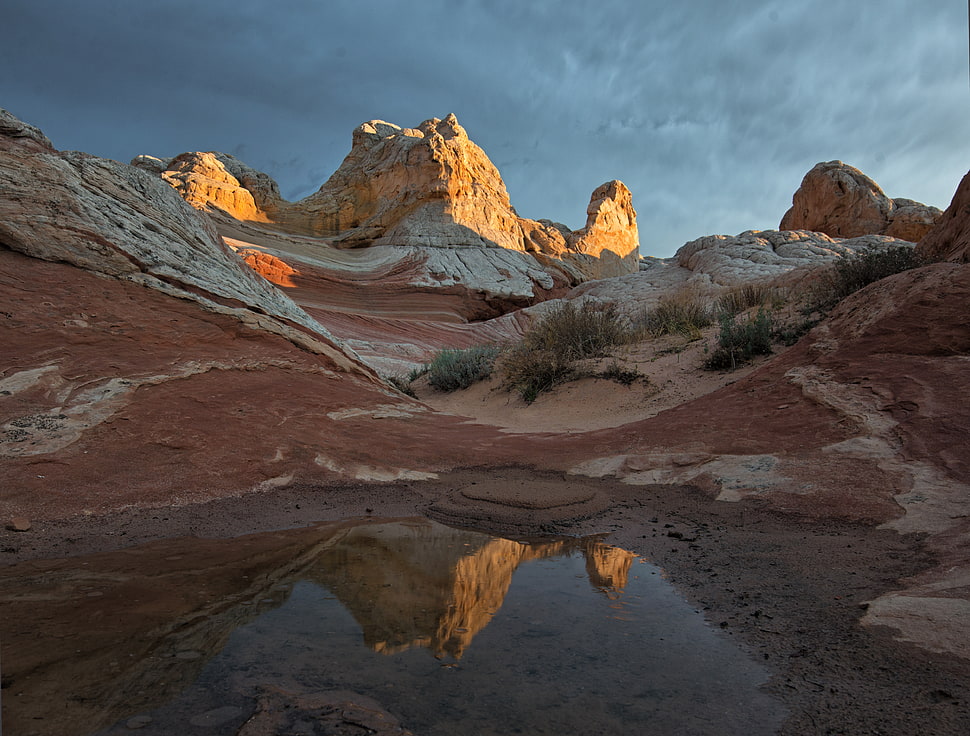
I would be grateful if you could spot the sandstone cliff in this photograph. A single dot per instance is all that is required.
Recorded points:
(950, 239)
(839, 200)
(429, 186)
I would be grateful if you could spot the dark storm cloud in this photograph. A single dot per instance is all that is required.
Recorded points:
(710, 110)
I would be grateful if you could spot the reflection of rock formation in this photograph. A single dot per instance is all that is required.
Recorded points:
(608, 567)
(123, 632)
(420, 584)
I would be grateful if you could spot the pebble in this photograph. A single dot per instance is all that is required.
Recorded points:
(19, 524)
(138, 722)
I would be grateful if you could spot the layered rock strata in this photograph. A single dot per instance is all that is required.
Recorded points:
(839, 200)
(111, 219)
(425, 187)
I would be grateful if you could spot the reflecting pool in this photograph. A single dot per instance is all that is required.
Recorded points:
(356, 626)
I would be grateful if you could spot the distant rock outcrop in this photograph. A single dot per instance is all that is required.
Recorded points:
(429, 186)
(950, 239)
(839, 200)
(770, 255)
(715, 262)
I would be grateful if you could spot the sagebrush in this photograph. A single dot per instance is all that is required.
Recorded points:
(680, 314)
(452, 370)
(739, 342)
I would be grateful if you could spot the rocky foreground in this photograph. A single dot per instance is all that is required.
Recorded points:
(175, 333)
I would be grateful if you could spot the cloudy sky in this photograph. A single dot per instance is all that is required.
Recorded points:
(711, 111)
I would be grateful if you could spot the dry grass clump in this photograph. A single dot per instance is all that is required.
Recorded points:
(747, 296)
(577, 330)
(452, 370)
(739, 342)
(684, 313)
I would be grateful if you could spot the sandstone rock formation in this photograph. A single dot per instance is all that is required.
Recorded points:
(839, 200)
(429, 186)
(710, 264)
(144, 356)
(111, 219)
(950, 239)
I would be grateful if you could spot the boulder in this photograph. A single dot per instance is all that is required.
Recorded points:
(839, 200)
(950, 239)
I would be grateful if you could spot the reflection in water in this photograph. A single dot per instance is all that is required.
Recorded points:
(197, 636)
(427, 585)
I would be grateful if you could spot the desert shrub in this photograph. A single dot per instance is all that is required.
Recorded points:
(738, 342)
(850, 273)
(451, 370)
(548, 352)
(790, 333)
(680, 314)
(529, 371)
(573, 331)
(626, 376)
(742, 298)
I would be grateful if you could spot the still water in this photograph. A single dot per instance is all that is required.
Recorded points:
(345, 627)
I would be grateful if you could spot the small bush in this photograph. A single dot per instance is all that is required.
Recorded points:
(789, 334)
(574, 331)
(680, 314)
(851, 273)
(739, 342)
(567, 333)
(451, 370)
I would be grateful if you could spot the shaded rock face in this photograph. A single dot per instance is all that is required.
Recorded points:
(770, 255)
(950, 239)
(839, 200)
(113, 220)
(429, 186)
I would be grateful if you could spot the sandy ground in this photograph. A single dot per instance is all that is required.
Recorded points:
(789, 591)
(670, 375)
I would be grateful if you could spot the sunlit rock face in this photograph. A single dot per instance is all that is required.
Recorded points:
(144, 358)
(428, 187)
(950, 239)
(839, 200)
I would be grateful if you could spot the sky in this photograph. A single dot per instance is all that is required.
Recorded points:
(711, 111)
